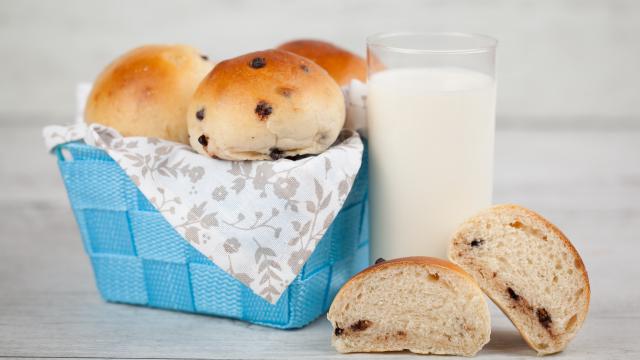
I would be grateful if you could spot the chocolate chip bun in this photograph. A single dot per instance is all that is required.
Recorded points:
(145, 92)
(342, 65)
(264, 106)
(529, 269)
(421, 304)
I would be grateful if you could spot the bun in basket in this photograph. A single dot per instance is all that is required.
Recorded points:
(265, 105)
(529, 269)
(145, 92)
(421, 304)
(341, 64)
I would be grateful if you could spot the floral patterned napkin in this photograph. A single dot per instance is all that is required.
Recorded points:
(258, 220)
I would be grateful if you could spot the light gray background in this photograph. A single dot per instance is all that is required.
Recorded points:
(559, 62)
(567, 146)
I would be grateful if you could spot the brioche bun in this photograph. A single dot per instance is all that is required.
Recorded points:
(342, 65)
(145, 92)
(263, 106)
(421, 304)
(530, 269)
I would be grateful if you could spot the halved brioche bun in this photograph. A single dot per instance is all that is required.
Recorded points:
(421, 304)
(529, 269)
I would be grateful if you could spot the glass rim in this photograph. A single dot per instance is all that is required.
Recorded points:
(375, 40)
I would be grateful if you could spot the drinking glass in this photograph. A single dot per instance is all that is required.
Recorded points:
(431, 124)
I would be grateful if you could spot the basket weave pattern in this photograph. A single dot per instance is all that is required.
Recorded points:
(138, 258)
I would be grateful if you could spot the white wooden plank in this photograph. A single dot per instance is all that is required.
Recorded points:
(79, 325)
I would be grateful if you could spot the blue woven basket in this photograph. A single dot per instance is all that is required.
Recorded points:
(138, 258)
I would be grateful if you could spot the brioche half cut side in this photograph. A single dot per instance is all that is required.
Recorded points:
(421, 304)
(530, 270)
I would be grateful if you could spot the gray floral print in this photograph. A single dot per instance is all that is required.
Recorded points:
(220, 193)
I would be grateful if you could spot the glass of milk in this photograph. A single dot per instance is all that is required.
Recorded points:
(431, 119)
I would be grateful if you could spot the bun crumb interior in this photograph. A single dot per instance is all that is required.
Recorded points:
(421, 304)
(530, 270)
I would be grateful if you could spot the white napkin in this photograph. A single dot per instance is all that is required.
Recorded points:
(355, 97)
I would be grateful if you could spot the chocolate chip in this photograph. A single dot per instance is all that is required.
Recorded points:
(513, 294)
(476, 242)
(360, 325)
(304, 68)
(203, 140)
(263, 109)
(285, 91)
(401, 333)
(380, 260)
(204, 57)
(543, 317)
(275, 153)
(299, 157)
(258, 63)
(338, 331)
(200, 114)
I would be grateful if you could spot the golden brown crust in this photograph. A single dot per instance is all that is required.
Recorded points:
(341, 64)
(411, 260)
(145, 92)
(265, 105)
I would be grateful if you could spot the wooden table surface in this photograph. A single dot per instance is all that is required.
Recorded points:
(586, 181)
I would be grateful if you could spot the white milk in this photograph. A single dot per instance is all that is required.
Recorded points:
(431, 136)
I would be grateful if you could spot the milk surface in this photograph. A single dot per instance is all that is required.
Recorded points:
(431, 136)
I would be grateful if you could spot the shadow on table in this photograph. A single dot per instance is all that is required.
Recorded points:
(507, 341)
